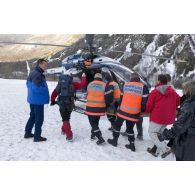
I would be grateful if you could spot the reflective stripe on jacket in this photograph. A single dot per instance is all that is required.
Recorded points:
(117, 92)
(130, 107)
(95, 98)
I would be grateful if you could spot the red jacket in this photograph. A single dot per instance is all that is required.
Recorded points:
(162, 103)
(76, 85)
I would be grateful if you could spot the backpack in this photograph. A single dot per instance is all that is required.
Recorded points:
(66, 84)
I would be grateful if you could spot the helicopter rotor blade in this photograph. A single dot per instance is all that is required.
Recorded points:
(150, 55)
(40, 44)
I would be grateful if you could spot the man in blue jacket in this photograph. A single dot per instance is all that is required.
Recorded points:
(38, 95)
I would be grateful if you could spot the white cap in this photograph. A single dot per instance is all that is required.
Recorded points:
(98, 75)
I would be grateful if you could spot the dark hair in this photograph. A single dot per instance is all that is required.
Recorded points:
(168, 77)
(162, 78)
(135, 77)
(189, 88)
(40, 61)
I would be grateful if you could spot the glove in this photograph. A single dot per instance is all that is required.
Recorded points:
(53, 103)
(83, 75)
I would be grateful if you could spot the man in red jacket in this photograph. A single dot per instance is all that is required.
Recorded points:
(162, 104)
(65, 91)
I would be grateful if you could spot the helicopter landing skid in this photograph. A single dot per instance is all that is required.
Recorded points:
(79, 110)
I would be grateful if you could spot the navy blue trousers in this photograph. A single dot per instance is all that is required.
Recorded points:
(139, 126)
(36, 118)
(117, 127)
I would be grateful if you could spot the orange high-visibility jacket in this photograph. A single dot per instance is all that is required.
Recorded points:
(130, 107)
(117, 92)
(95, 98)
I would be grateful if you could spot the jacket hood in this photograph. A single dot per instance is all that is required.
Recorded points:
(164, 89)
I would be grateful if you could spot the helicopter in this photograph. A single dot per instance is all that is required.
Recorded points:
(89, 61)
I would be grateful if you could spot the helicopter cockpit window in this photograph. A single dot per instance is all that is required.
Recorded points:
(121, 72)
(87, 55)
(106, 74)
(125, 74)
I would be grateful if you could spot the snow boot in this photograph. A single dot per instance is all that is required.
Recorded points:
(152, 151)
(40, 139)
(67, 130)
(113, 142)
(165, 154)
(124, 134)
(100, 141)
(93, 137)
(28, 135)
(110, 129)
(140, 137)
(69, 139)
(131, 146)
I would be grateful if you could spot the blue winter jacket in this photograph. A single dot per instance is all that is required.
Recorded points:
(38, 92)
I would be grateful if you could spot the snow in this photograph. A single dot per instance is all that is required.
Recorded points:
(170, 67)
(29, 47)
(55, 70)
(192, 43)
(79, 51)
(13, 117)
(147, 64)
(126, 54)
(27, 67)
(182, 74)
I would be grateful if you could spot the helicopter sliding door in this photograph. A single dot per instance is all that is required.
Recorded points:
(80, 97)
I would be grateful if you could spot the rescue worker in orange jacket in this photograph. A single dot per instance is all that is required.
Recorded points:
(96, 106)
(133, 103)
(112, 89)
(139, 124)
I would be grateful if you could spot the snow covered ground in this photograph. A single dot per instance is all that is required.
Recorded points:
(14, 112)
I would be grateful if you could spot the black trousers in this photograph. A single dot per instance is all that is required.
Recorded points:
(111, 118)
(117, 127)
(94, 122)
(65, 113)
(139, 126)
(66, 106)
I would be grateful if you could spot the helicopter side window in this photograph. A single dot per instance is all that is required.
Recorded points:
(117, 80)
(123, 74)
(113, 75)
